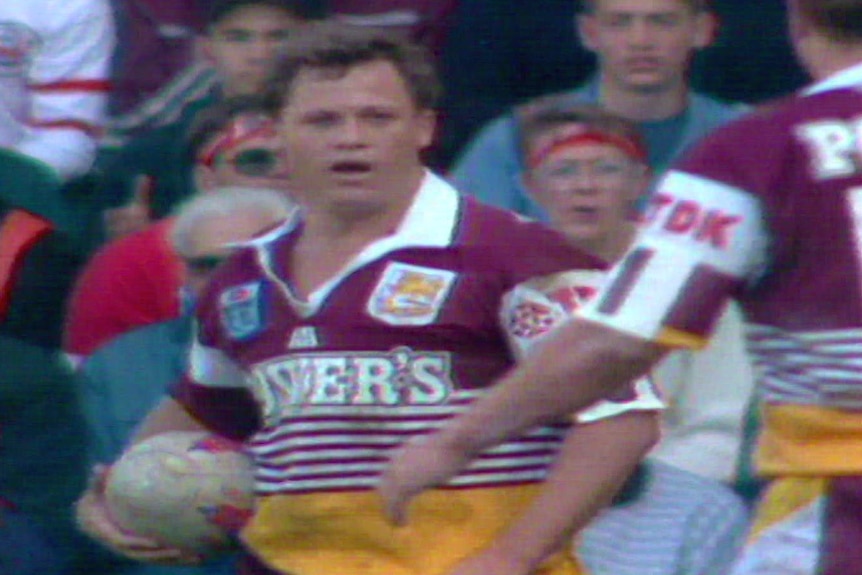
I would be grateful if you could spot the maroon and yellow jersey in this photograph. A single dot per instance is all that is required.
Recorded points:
(408, 334)
(767, 210)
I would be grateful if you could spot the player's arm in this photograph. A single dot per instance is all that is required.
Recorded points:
(210, 382)
(68, 85)
(667, 292)
(593, 463)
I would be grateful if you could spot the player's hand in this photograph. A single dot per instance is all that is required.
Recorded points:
(421, 463)
(135, 215)
(94, 519)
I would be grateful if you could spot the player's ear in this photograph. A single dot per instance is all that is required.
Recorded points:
(705, 29)
(587, 29)
(426, 126)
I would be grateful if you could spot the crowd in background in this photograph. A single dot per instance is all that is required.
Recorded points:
(134, 145)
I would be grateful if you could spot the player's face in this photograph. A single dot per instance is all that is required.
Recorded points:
(353, 138)
(244, 44)
(645, 45)
(589, 191)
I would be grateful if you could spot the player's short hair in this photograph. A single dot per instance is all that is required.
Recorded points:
(221, 203)
(549, 113)
(214, 119)
(337, 48)
(218, 10)
(588, 6)
(840, 20)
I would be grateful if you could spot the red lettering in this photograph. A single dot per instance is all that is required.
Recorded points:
(716, 229)
(657, 203)
(683, 218)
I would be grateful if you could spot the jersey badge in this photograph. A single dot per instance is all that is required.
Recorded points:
(242, 310)
(410, 295)
(303, 337)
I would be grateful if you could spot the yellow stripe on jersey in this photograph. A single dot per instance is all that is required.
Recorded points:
(345, 533)
(675, 338)
(783, 499)
(809, 440)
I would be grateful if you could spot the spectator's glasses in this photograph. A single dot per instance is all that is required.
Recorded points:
(241, 130)
(255, 162)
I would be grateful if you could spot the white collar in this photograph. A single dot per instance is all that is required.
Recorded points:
(847, 78)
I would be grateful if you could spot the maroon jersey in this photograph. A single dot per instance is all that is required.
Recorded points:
(767, 210)
(410, 332)
(420, 320)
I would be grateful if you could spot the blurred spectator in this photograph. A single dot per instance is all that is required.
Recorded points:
(41, 428)
(231, 46)
(152, 173)
(136, 280)
(666, 521)
(644, 48)
(42, 460)
(423, 21)
(122, 381)
(587, 169)
(156, 40)
(55, 59)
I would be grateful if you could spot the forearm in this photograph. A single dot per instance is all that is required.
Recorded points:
(577, 365)
(593, 463)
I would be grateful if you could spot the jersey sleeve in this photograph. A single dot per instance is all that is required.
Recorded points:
(535, 308)
(214, 388)
(702, 242)
(68, 83)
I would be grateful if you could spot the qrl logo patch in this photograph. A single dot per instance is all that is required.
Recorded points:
(242, 310)
(410, 295)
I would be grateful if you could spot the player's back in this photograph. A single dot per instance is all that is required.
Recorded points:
(800, 163)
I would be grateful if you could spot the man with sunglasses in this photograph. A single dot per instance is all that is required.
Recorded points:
(137, 280)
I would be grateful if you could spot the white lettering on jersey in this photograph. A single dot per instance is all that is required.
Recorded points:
(699, 235)
(833, 146)
(399, 377)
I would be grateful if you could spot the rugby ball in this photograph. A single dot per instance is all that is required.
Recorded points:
(190, 490)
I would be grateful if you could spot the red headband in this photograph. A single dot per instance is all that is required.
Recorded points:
(237, 132)
(630, 147)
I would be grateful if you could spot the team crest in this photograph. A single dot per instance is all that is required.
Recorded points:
(410, 295)
(303, 338)
(18, 43)
(242, 310)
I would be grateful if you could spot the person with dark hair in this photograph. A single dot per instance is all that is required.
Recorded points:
(383, 307)
(644, 49)
(153, 172)
(766, 211)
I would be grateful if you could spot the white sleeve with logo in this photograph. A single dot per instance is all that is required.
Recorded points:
(535, 308)
(701, 241)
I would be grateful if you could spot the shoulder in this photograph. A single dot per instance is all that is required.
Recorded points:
(519, 244)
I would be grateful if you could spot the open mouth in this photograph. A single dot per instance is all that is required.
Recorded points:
(351, 168)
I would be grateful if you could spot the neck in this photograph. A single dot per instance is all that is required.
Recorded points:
(644, 105)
